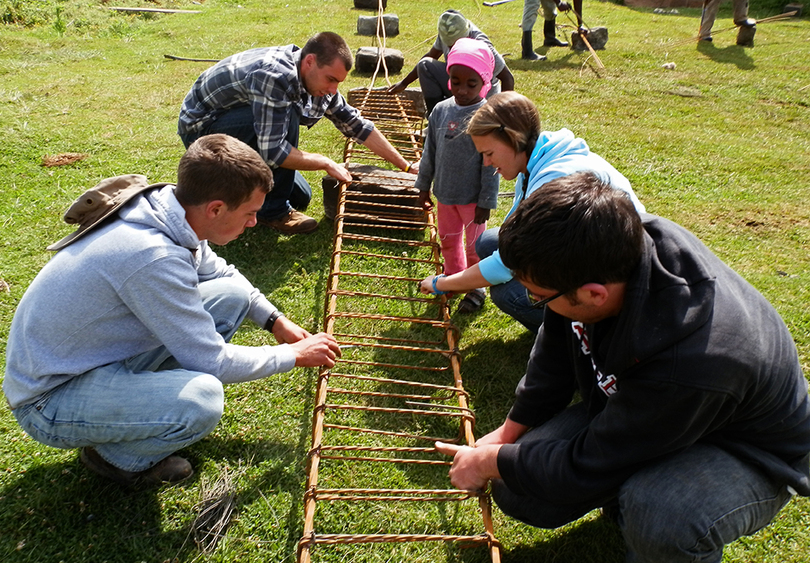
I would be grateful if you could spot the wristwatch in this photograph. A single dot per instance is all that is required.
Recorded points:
(271, 320)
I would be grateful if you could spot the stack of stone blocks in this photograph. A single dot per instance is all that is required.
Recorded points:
(366, 58)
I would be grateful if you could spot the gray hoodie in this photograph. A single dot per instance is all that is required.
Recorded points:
(128, 288)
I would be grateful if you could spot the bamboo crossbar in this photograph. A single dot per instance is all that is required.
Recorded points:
(367, 410)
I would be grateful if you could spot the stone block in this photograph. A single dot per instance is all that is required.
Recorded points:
(365, 60)
(367, 25)
(597, 37)
(745, 36)
(794, 8)
(396, 183)
(370, 4)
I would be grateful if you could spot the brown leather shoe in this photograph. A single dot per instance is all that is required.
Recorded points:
(294, 223)
(172, 469)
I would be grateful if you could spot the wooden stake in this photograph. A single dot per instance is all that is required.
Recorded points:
(174, 58)
(159, 10)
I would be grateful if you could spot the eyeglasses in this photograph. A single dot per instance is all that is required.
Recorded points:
(540, 303)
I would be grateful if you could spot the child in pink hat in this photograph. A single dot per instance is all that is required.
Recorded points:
(466, 190)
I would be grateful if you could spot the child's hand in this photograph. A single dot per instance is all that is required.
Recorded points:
(425, 201)
(481, 215)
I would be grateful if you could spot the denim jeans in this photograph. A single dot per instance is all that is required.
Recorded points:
(138, 411)
(509, 297)
(683, 508)
(290, 189)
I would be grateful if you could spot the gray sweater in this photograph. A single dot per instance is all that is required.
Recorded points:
(127, 288)
(451, 162)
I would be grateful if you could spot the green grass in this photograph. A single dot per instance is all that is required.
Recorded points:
(720, 145)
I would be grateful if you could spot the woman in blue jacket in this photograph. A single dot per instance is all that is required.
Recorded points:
(506, 131)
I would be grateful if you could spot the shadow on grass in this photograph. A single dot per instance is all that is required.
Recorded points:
(732, 54)
(558, 59)
(60, 512)
(591, 541)
(63, 512)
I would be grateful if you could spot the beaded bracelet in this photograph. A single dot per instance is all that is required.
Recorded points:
(436, 290)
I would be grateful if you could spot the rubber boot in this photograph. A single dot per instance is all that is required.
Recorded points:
(528, 50)
(550, 33)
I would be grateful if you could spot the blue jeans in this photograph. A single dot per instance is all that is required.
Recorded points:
(138, 411)
(290, 189)
(509, 297)
(683, 508)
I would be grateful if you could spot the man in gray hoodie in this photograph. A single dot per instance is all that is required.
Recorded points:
(120, 346)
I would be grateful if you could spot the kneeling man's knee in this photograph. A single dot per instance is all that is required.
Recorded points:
(530, 510)
(204, 401)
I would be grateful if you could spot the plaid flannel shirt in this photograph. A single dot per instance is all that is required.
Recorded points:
(267, 79)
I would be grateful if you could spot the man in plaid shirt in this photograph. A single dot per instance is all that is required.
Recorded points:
(262, 96)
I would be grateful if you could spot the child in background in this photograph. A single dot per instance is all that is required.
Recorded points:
(465, 189)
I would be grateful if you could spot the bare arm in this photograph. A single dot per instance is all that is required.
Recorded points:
(300, 160)
(464, 281)
(506, 433)
(413, 75)
(287, 332)
(380, 146)
(507, 79)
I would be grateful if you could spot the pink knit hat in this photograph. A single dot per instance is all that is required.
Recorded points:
(476, 55)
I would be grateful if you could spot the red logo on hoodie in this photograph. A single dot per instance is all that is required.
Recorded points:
(607, 383)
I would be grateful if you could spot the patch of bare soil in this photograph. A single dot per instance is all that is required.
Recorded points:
(63, 158)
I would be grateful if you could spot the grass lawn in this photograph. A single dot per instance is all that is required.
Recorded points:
(720, 144)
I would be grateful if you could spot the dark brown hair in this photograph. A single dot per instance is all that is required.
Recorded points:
(220, 167)
(328, 46)
(572, 231)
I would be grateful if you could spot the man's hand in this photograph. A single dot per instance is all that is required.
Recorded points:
(414, 167)
(425, 201)
(338, 172)
(472, 467)
(506, 433)
(287, 332)
(481, 215)
(317, 350)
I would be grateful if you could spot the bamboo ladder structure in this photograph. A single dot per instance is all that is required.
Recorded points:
(397, 387)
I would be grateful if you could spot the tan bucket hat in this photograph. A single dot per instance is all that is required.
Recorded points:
(100, 202)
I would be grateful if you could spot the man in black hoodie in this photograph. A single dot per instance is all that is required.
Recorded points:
(693, 426)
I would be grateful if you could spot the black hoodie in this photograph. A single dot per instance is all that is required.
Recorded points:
(695, 355)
